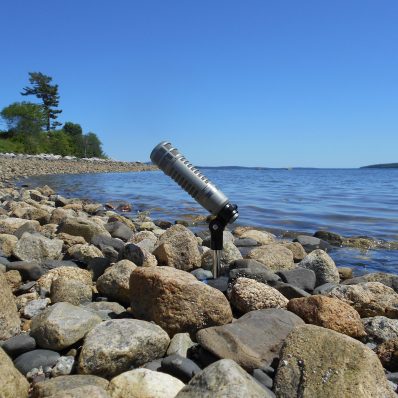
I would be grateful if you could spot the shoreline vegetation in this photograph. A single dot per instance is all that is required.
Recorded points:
(94, 302)
(382, 166)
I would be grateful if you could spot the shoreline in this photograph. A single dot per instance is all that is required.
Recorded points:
(89, 285)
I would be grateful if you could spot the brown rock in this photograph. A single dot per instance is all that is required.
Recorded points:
(275, 256)
(79, 274)
(64, 289)
(388, 354)
(330, 313)
(7, 243)
(297, 249)
(176, 300)
(9, 317)
(249, 295)
(345, 273)
(262, 237)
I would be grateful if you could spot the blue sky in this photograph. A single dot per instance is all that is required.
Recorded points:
(251, 83)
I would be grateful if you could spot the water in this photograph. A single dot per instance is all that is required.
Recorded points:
(350, 202)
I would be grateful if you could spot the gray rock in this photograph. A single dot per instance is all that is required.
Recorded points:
(63, 366)
(25, 288)
(201, 274)
(223, 378)
(29, 226)
(3, 268)
(324, 267)
(330, 237)
(290, 291)
(275, 256)
(47, 265)
(50, 387)
(245, 242)
(34, 359)
(105, 309)
(18, 345)
(97, 266)
(310, 243)
(81, 227)
(84, 252)
(253, 340)
(155, 365)
(36, 247)
(325, 288)
(12, 383)
(380, 329)
(180, 344)
(62, 325)
(259, 276)
(9, 317)
(302, 278)
(263, 378)
(102, 241)
(133, 253)
(82, 392)
(115, 346)
(389, 280)
(119, 230)
(29, 270)
(110, 253)
(180, 367)
(35, 307)
(71, 291)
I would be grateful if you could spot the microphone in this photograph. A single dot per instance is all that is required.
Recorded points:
(189, 178)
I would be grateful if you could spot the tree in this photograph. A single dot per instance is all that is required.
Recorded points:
(73, 129)
(75, 132)
(92, 146)
(48, 94)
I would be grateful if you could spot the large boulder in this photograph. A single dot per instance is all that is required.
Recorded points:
(36, 247)
(115, 282)
(60, 384)
(249, 295)
(9, 317)
(324, 267)
(12, 383)
(330, 313)
(178, 248)
(79, 274)
(144, 383)
(115, 346)
(224, 378)
(369, 299)
(62, 325)
(275, 256)
(82, 227)
(318, 362)
(176, 300)
(254, 340)
(72, 291)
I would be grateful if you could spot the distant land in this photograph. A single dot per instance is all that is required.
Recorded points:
(382, 166)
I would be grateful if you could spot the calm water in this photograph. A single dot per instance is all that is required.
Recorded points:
(347, 201)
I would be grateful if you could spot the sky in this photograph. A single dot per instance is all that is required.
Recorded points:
(251, 83)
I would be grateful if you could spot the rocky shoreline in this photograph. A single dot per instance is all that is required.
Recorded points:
(94, 303)
(13, 167)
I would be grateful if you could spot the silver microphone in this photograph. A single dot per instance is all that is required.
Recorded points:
(175, 165)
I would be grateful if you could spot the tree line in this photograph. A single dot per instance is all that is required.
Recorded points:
(33, 127)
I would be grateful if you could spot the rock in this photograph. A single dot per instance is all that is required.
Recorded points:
(46, 190)
(69, 272)
(82, 392)
(181, 368)
(59, 215)
(60, 384)
(301, 277)
(30, 226)
(263, 378)
(176, 301)
(325, 288)
(369, 299)
(297, 249)
(155, 365)
(253, 340)
(180, 344)
(388, 354)
(318, 362)
(221, 283)
(84, 252)
(35, 247)
(275, 256)
(119, 230)
(72, 291)
(82, 227)
(223, 378)
(380, 329)
(115, 282)
(330, 313)
(18, 345)
(178, 248)
(259, 276)
(115, 346)
(345, 273)
(11, 224)
(229, 254)
(227, 237)
(144, 383)
(34, 359)
(310, 243)
(102, 241)
(262, 237)
(137, 255)
(389, 280)
(249, 295)
(9, 317)
(289, 291)
(7, 243)
(35, 307)
(201, 274)
(324, 267)
(14, 279)
(29, 270)
(105, 309)
(330, 237)
(63, 367)
(245, 242)
(12, 383)
(146, 226)
(97, 266)
(62, 325)
(70, 240)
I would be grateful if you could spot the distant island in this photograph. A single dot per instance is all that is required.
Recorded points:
(382, 166)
